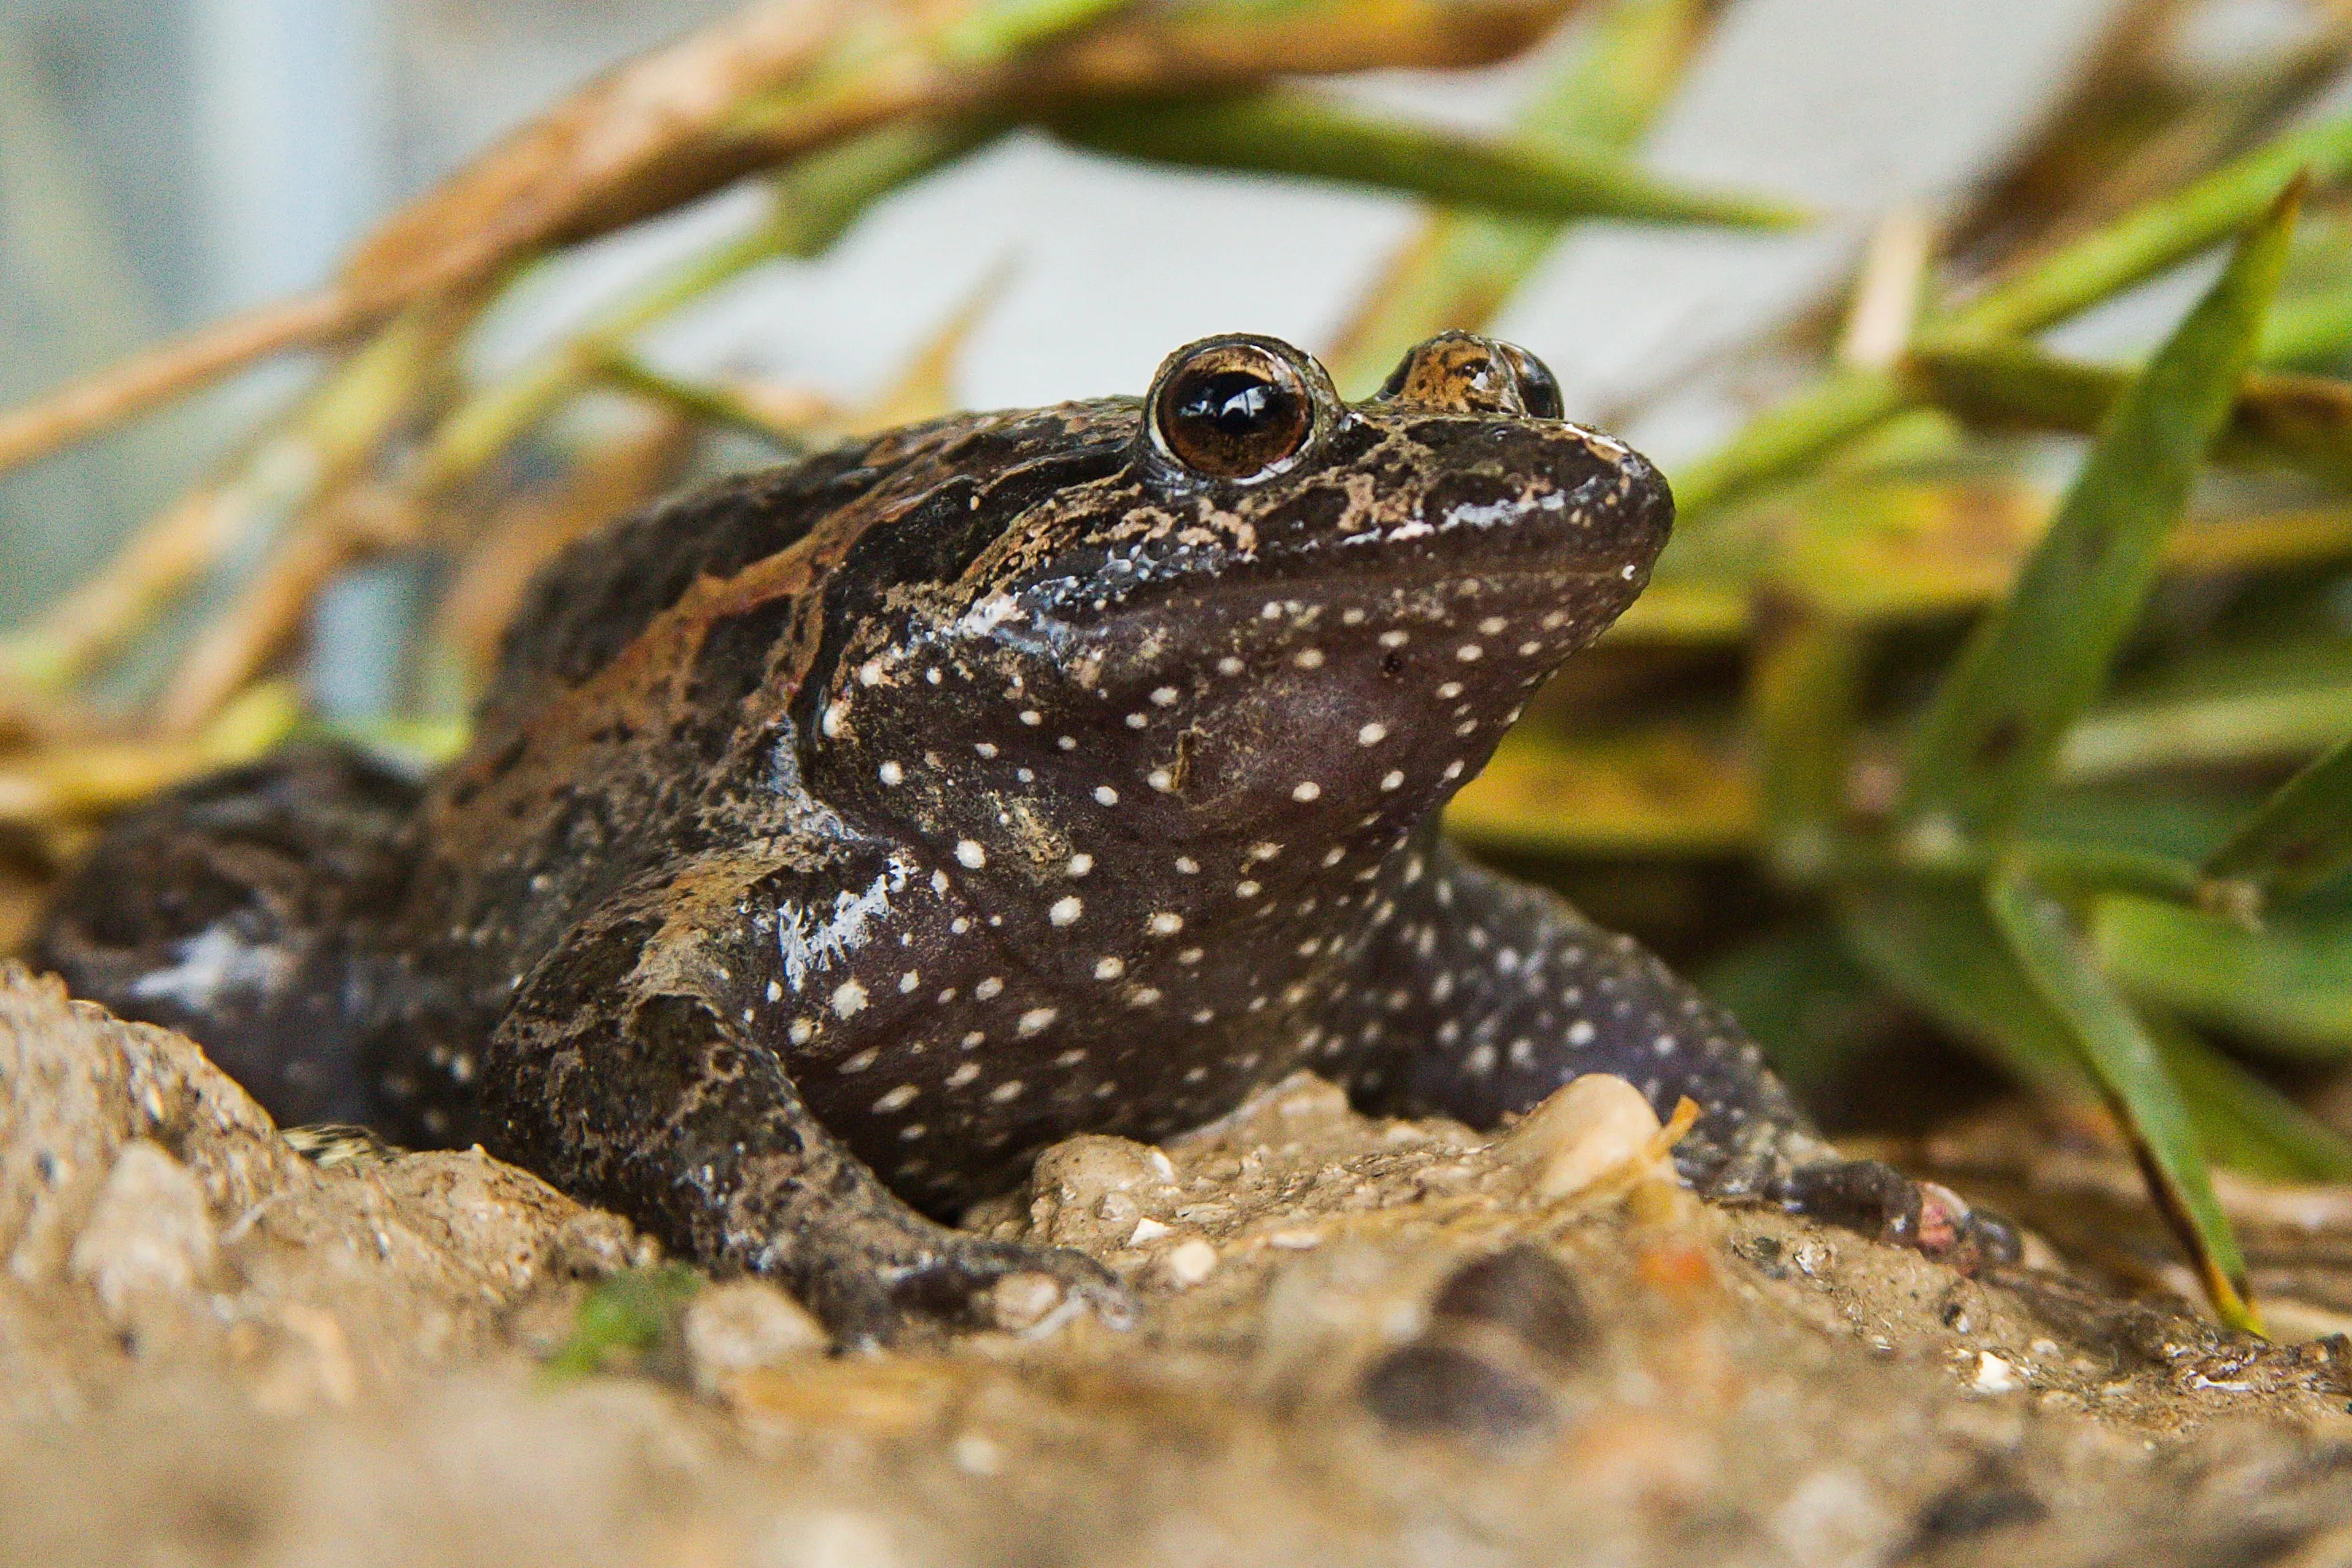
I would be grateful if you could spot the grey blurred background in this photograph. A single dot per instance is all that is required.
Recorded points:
(165, 161)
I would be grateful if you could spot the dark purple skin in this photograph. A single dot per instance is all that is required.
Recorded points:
(835, 838)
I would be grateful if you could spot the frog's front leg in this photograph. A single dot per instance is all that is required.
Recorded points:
(626, 1072)
(1482, 995)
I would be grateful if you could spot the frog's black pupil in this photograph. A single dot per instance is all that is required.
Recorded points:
(1234, 402)
(1235, 421)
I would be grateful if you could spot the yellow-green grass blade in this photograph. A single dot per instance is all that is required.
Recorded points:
(1669, 790)
(2299, 838)
(2287, 987)
(2039, 658)
(1788, 439)
(2298, 422)
(1461, 267)
(990, 34)
(2129, 1067)
(1287, 132)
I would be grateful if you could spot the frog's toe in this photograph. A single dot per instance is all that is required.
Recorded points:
(1880, 1201)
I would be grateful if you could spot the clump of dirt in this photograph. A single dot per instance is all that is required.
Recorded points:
(1361, 1340)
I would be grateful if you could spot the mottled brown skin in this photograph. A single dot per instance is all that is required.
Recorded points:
(834, 838)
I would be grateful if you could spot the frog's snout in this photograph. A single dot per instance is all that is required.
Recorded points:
(1461, 373)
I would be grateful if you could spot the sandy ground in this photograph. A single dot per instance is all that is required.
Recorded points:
(1362, 1342)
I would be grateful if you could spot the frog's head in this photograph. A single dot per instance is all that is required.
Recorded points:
(1265, 617)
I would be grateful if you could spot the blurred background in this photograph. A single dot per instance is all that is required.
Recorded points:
(164, 161)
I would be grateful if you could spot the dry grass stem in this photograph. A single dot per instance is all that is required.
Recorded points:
(524, 534)
(80, 630)
(241, 643)
(81, 409)
(1888, 289)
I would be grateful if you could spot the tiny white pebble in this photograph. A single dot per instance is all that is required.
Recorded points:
(1036, 1019)
(1371, 735)
(1189, 1262)
(1080, 864)
(891, 773)
(1105, 796)
(988, 988)
(849, 999)
(1165, 697)
(1110, 966)
(898, 1099)
(1065, 910)
(1307, 658)
(969, 856)
(1469, 653)
(1392, 778)
(1305, 789)
(1167, 922)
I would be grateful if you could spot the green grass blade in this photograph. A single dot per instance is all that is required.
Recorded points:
(2310, 332)
(1463, 266)
(2154, 237)
(2288, 985)
(2130, 1069)
(2244, 1124)
(1934, 946)
(2036, 661)
(1284, 132)
(1814, 1010)
(2299, 838)
(1784, 441)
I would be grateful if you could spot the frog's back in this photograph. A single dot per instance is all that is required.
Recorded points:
(602, 592)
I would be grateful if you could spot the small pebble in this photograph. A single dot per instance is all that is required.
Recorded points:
(150, 1232)
(1023, 1302)
(1524, 1291)
(1995, 1376)
(1590, 1128)
(1444, 1389)
(1189, 1262)
(742, 1327)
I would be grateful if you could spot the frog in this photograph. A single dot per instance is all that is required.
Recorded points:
(834, 837)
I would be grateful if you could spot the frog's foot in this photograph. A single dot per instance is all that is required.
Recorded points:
(876, 1295)
(1880, 1202)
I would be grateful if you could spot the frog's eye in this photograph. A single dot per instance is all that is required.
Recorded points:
(1232, 411)
(1538, 388)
